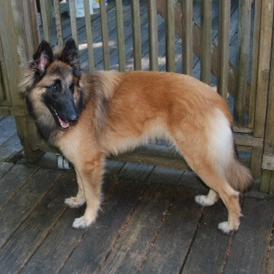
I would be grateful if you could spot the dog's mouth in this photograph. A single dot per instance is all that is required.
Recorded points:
(62, 123)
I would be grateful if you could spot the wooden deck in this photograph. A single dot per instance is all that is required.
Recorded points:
(149, 222)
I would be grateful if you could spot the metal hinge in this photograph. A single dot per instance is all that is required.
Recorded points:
(268, 162)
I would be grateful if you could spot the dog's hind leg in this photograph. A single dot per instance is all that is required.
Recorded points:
(230, 197)
(207, 200)
(206, 143)
(91, 174)
(79, 199)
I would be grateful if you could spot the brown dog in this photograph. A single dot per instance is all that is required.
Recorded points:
(90, 117)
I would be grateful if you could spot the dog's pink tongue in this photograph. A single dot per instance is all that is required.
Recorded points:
(62, 123)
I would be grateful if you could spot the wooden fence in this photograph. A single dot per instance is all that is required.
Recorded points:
(248, 84)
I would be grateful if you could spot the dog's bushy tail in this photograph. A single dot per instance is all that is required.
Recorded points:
(238, 176)
(222, 150)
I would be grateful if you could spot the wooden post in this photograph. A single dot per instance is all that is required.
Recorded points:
(18, 18)
(262, 87)
(267, 182)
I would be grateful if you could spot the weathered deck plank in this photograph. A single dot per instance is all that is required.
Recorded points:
(27, 238)
(10, 147)
(7, 128)
(250, 246)
(131, 248)
(90, 254)
(19, 207)
(14, 181)
(60, 243)
(270, 256)
(5, 168)
(175, 236)
(9, 141)
(208, 251)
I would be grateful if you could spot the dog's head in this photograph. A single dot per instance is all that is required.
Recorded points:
(51, 87)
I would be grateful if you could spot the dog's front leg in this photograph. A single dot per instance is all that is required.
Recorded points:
(79, 199)
(91, 176)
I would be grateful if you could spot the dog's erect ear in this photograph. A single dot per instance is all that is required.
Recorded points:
(42, 57)
(70, 56)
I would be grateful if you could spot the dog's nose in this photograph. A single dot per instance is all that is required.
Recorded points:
(73, 118)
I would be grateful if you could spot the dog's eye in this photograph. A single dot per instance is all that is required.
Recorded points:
(54, 88)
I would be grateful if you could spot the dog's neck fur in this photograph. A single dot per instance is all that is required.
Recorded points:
(100, 87)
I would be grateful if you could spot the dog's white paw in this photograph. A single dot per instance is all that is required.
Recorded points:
(226, 228)
(74, 202)
(204, 200)
(81, 222)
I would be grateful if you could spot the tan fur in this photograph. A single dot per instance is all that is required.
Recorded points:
(125, 110)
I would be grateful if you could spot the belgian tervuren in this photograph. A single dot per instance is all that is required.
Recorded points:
(88, 117)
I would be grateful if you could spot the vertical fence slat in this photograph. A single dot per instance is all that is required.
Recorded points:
(58, 22)
(73, 20)
(120, 34)
(244, 37)
(170, 35)
(256, 156)
(30, 25)
(89, 33)
(188, 35)
(255, 51)
(153, 36)
(263, 66)
(104, 26)
(45, 19)
(137, 40)
(267, 179)
(267, 184)
(206, 41)
(224, 29)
